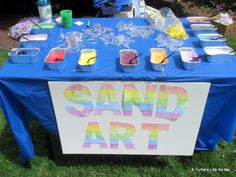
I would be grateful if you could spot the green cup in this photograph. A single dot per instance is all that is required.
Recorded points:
(66, 16)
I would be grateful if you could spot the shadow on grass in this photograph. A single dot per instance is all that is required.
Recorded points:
(9, 148)
(49, 146)
(112, 160)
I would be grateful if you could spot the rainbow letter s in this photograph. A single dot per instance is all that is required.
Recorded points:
(70, 94)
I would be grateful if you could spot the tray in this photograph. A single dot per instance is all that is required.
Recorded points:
(211, 40)
(87, 60)
(219, 54)
(203, 29)
(55, 59)
(189, 58)
(24, 55)
(35, 40)
(128, 60)
(157, 55)
(47, 28)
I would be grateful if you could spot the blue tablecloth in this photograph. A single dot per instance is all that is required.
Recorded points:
(25, 86)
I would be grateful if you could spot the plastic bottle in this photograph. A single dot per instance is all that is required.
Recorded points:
(45, 10)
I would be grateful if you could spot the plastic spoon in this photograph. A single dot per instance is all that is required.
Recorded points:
(232, 51)
(25, 38)
(90, 59)
(36, 24)
(162, 61)
(130, 61)
(196, 59)
(217, 38)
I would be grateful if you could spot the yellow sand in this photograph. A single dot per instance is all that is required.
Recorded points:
(85, 58)
(177, 31)
(157, 56)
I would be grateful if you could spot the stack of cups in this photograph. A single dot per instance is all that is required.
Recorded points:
(66, 17)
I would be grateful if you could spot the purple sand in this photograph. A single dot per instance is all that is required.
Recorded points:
(126, 58)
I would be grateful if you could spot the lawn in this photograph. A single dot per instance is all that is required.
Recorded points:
(3, 56)
(221, 162)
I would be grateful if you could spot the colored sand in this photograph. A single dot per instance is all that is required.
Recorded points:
(211, 38)
(56, 57)
(36, 37)
(128, 57)
(203, 27)
(157, 56)
(198, 19)
(87, 58)
(44, 25)
(188, 56)
(218, 51)
(25, 52)
(177, 31)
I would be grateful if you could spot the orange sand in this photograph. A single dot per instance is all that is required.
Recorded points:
(157, 56)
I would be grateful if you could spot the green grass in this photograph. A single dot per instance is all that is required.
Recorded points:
(3, 56)
(144, 166)
(232, 42)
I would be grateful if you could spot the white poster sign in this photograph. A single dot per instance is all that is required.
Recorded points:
(135, 117)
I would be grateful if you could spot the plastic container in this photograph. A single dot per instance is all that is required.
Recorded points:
(157, 57)
(128, 60)
(203, 29)
(219, 54)
(87, 60)
(55, 59)
(46, 27)
(66, 17)
(211, 40)
(35, 40)
(189, 58)
(24, 55)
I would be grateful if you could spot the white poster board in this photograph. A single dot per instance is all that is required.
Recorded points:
(135, 117)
